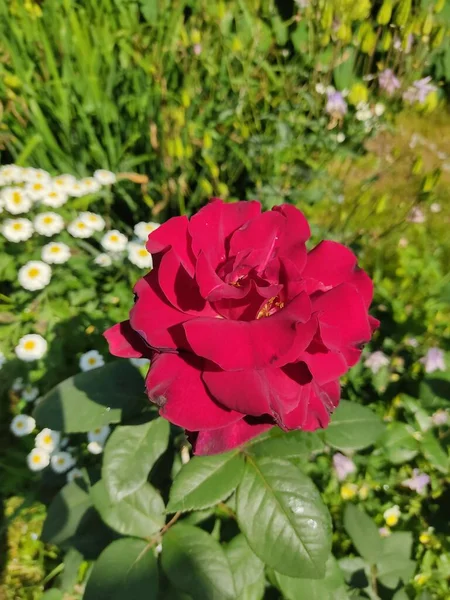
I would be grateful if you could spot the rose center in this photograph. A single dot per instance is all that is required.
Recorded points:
(270, 307)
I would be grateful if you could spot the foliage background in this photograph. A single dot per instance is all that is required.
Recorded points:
(219, 98)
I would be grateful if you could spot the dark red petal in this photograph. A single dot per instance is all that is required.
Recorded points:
(240, 345)
(325, 366)
(211, 286)
(227, 438)
(297, 228)
(174, 383)
(124, 342)
(173, 233)
(212, 226)
(315, 409)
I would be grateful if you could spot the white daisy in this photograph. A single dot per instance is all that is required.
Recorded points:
(76, 189)
(91, 360)
(74, 474)
(35, 275)
(62, 462)
(38, 459)
(103, 260)
(31, 347)
(37, 189)
(93, 220)
(2, 359)
(95, 448)
(379, 109)
(48, 223)
(22, 425)
(99, 435)
(114, 241)
(17, 230)
(90, 185)
(29, 394)
(139, 256)
(105, 177)
(63, 183)
(142, 229)
(47, 439)
(55, 198)
(31, 175)
(16, 201)
(139, 362)
(11, 174)
(80, 229)
(55, 253)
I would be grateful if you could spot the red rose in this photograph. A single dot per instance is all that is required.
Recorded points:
(245, 329)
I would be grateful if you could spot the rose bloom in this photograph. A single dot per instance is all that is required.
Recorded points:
(245, 330)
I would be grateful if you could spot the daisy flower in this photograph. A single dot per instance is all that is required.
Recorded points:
(63, 183)
(392, 515)
(48, 223)
(22, 425)
(91, 360)
(74, 474)
(31, 175)
(11, 174)
(17, 230)
(38, 459)
(142, 229)
(62, 462)
(76, 189)
(37, 189)
(29, 394)
(47, 439)
(16, 201)
(90, 185)
(80, 229)
(54, 198)
(55, 253)
(105, 177)
(35, 275)
(99, 435)
(114, 241)
(94, 448)
(93, 220)
(103, 260)
(139, 256)
(31, 347)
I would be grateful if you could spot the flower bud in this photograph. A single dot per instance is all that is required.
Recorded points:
(344, 33)
(439, 6)
(385, 13)
(427, 24)
(386, 41)
(369, 42)
(402, 13)
(326, 19)
(438, 38)
(358, 93)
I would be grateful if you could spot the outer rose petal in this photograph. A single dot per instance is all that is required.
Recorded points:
(212, 226)
(240, 345)
(227, 438)
(174, 233)
(295, 234)
(124, 342)
(314, 411)
(174, 383)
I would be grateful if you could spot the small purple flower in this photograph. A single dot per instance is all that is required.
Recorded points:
(416, 216)
(388, 81)
(419, 90)
(440, 417)
(197, 49)
(336, 105)
(376, 361)
(433, 360)
(418, 482)
(343, 466)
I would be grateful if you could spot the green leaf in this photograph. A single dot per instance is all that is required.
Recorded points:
(65, 513)
(92, 399)
(254, 591)
(291, 444)
(52, 595)
(433, 452)
(283, 518)
(399, 443)
(195, 563)
(245, 565)
(205, 480)
(130, 453)
(401, 595)
(344, 74)
(394, 563)
(353, 427)
(331, 586)
(363, 532)
(127, 568)
(140, 514)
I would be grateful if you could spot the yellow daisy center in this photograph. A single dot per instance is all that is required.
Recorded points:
(61, 461)
(114, 238)
(81, 225)
(36, 459)
(143, 252)
(48, 220)
(29, 345)
(17, 226)
(37, 187)
(47, 439)
(33, 272)
(92, 360)
(17, 197)
(20, 425)
(55, 249)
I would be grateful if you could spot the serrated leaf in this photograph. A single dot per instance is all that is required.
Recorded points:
(394, 563)
(291, 444)
(196, 564)
(296, 536)
(130, 453)
(434, 453)
(353, 427)
(140, 514)
(363, 532)
(245, 566)
(92, 399)
(331, 586)
(205, 480)
(127, 568)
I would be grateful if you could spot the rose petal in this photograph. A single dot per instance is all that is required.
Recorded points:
(240, 345)
(173, 233)
(296, 232)
(314, 410)
(174, 383)
(124, 342)
(227, 438)
(211, 286)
